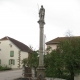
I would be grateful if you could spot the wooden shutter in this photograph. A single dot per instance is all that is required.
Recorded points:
(9, 61)
(11, 53)
(13, 62)
(0, 61)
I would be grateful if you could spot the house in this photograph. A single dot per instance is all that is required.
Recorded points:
(12, 52)
(54, 43)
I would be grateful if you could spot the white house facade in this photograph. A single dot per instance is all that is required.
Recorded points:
(12, 52)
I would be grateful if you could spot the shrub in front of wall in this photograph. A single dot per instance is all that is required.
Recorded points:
(4, 68)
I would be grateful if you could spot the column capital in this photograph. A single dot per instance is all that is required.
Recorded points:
(41, 21)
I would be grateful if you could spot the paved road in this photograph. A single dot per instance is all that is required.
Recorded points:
(10, 75)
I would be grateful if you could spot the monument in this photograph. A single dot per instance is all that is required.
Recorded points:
(40, 69)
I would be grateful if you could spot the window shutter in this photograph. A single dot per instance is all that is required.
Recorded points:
(0, 61)
(9, 61)
(11, 53)
(13, 62)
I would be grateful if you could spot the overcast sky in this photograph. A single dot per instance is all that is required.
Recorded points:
(18, 19)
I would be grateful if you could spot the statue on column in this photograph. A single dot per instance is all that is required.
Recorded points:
(41, 13)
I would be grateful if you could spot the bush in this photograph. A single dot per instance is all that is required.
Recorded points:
(4, 68)
(1, 68)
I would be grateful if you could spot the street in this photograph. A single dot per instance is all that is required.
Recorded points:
(10, 75)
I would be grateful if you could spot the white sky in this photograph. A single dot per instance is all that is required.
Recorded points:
(18, 19)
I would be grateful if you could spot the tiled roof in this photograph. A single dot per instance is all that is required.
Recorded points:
(19, 44)
(58, 39)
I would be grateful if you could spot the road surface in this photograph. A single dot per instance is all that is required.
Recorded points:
(10, 75)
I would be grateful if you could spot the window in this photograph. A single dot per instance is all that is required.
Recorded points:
(0, 61)
(11, 61)
(10, 45)
(11, 53)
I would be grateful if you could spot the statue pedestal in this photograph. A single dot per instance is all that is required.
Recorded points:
(40, 73)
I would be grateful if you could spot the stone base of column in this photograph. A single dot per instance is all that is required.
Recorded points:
(40, 73)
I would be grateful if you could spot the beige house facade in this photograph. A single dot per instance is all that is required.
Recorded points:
(54, 43)
(12, 52)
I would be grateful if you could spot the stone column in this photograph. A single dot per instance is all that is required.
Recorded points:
(40, 69)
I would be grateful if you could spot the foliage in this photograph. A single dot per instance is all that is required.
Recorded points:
(48, 49)
(4, 68)
(53, 64)
(32, 60)
(25, 61)
(71, 55)
(65, 60)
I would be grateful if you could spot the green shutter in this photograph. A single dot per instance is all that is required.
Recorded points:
(11, 53)
(9, 61)
(0, 61)
(13, 62)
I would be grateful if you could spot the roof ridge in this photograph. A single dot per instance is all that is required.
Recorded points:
(7, 37)
(58, 39)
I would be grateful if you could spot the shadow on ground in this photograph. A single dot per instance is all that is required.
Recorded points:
(22, 79)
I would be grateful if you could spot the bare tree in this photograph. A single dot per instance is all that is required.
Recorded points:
(69, 33)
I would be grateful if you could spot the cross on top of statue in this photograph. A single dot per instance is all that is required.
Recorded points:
(41, 13)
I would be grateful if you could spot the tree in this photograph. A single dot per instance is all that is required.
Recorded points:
(25, 62)
(33, 59)
(53, 64)
(70, 51)
(65, 60)
(69, 33)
